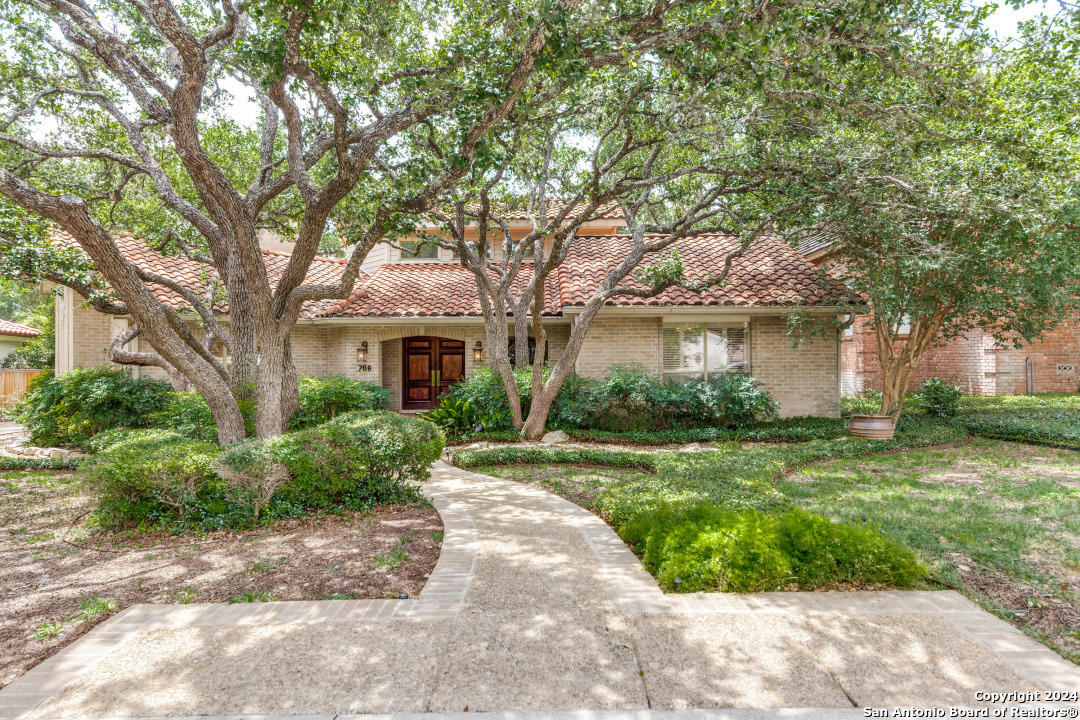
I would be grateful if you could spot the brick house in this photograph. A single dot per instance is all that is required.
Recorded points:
(414, 324)
(975, 361)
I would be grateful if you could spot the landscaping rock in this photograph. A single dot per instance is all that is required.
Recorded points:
(691, 447)
(554, 437)
(477, 446)
(57, 454)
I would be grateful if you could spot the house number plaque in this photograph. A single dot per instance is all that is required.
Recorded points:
(364, 367)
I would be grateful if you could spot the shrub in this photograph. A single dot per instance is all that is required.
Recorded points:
(356, 459)
(252, 473)
(455, 417)
(575, 404)
(188, 414)
(324, 398)
(69, 409)
(730, 401)
(706, 547)
(939, 398)
(150, 476)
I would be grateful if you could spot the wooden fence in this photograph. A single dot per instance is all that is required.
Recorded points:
(13, 385)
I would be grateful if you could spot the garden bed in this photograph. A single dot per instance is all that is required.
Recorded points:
(59, 580)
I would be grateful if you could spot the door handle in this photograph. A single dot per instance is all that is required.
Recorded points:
(432, 378)
(438, 378)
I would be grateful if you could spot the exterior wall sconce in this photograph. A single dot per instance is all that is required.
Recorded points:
(478, 352)
(362, 356)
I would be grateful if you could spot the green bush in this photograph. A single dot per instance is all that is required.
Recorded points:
(324, 398)
(627, 400)
(356, 459)
(939, 398)
(706, 547)
(151, 477)
(69, 409)
(734, 401)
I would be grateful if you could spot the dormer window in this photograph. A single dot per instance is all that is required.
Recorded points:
(419, 250)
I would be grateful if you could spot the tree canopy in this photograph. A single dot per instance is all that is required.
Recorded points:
(366, 117)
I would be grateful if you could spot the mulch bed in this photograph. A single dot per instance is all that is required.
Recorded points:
(47, 571)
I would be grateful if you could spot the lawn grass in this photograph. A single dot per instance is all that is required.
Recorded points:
(998, 521)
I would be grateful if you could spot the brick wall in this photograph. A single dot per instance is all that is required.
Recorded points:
(625, 340)
(974, 361)
(804, 380)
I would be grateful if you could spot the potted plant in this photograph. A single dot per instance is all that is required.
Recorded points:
(867, 419)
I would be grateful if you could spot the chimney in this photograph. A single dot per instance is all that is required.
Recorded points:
(272, 240)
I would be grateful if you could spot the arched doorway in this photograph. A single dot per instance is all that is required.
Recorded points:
(430, 366)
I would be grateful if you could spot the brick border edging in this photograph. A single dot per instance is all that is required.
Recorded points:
(441, 598)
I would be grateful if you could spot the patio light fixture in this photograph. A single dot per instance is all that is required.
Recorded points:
(478, 352)
(362, 352)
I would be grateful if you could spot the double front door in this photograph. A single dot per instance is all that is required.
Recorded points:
(432, 365)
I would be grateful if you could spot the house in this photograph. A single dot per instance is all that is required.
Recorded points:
(974, 361)
(414, 324)
(13, 335)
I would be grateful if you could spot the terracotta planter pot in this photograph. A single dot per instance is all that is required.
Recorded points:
(875, 427)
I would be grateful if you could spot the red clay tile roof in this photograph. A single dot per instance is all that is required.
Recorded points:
(13, 328)
(194, 275)
(430, 289)
(770, 274)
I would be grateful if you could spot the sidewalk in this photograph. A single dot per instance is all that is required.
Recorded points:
(537, 605)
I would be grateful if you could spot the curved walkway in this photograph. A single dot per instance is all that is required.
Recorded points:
(536, 604)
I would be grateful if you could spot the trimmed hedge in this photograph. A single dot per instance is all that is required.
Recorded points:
(1060, 428)
(788, 430)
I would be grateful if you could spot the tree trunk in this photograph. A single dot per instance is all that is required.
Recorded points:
(290, 388)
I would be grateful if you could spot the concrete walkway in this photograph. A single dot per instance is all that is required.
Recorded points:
(535, 604)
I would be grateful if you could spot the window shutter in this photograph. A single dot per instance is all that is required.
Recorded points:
(670, 345)
(736, 337)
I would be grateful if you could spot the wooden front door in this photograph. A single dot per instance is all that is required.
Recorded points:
(431, 366)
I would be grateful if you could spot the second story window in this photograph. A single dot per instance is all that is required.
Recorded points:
(419, 249)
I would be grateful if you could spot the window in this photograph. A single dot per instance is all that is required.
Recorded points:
(848, 332)
(511, 349)
(699, 350)
(419, 249)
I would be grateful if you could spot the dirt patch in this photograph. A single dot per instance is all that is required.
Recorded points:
(48, 585)
(1032, 608)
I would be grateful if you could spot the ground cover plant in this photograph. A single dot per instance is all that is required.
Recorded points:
(997, 520)
(714, 520)
(61, 575)
(1047, 419)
